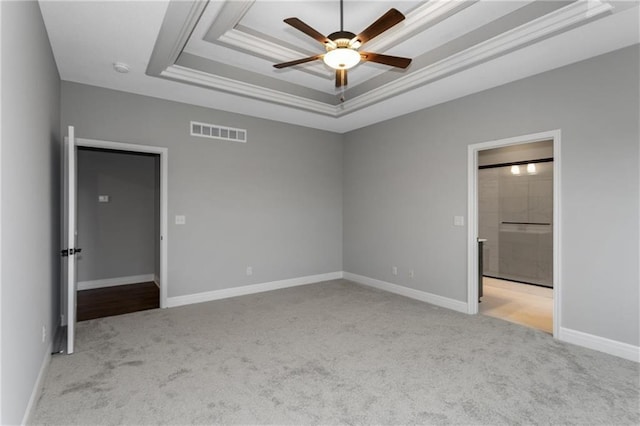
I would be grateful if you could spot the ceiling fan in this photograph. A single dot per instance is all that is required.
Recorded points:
(342, 46)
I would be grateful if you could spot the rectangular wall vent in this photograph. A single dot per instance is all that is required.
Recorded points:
(213, 131)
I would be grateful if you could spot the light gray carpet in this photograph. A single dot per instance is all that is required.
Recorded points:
(330, 353)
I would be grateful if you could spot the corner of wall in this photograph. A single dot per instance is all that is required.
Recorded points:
(423, 296)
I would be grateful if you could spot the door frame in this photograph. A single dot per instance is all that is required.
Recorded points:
(472, 204)
(164, 173)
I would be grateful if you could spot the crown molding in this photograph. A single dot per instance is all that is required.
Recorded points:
(536, 30)
(416, 21)
(179, 21)
(179, 73)
(226, 30)
(227, 18)
(241, 40)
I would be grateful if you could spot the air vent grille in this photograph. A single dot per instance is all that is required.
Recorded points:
(214, 131)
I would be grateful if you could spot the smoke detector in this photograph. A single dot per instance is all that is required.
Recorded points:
(121, 67)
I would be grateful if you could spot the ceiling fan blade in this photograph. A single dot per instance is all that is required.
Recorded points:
(298, 61)
(311, 32)
(341, 77)
(394, 61)
(386, 21)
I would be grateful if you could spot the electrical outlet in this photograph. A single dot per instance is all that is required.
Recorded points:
(249, 270)
(44, 333)
(394, 270)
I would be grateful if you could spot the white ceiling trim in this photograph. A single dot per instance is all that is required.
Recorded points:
(261, 47)
(192, 13)
(564, 18)
(418, 19)
(415, 21)
(177, 72)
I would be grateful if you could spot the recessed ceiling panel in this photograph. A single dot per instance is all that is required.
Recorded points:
(442, 38)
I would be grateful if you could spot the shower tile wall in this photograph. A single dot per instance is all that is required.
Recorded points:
(516, 218)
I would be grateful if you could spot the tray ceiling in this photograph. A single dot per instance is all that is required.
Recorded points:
(220, 54)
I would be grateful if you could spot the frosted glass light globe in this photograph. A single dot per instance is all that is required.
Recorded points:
(342, 58)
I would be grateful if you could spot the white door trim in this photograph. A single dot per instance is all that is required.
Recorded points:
(164, 173)
(472, 204)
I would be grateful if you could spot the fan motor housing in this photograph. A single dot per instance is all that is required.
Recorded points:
(341, 38)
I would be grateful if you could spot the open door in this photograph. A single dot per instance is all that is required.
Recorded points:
(70, 250)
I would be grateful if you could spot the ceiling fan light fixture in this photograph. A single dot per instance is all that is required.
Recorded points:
(342, 58)
(342, 46)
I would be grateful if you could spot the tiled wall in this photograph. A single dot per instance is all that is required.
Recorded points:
(516, 218)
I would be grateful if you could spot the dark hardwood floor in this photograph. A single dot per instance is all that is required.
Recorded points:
(117, 300)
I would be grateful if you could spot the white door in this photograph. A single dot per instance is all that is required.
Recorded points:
(69, 237)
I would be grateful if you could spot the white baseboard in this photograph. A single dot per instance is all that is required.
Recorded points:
(434, 299)
(602, 344)
(249, 289)
(112, 282)
(37, 387)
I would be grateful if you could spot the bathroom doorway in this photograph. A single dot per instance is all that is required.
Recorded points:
(513, 220)
(515, 225)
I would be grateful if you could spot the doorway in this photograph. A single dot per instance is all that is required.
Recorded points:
(70, 249)
(514, 230)
(118, 219)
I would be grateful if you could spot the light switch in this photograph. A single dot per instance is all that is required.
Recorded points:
(458, 220)
(103, 198)
(181, 220)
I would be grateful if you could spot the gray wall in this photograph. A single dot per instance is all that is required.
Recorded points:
(406, 178)
(274, 203)
(29, 194)
(118, 238)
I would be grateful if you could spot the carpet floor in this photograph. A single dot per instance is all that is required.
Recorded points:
(330, 353)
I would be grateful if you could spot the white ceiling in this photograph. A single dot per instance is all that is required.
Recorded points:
(220, 54)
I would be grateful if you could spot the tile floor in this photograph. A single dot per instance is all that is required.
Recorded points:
(523, 304)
